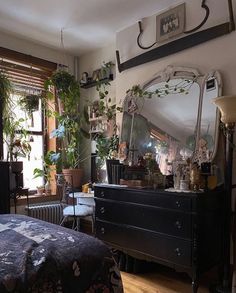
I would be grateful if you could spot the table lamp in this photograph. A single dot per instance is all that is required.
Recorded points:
(227, 107)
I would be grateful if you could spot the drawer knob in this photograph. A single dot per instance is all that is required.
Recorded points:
(102, 210)
(178, 224)
(177, 251)
(103, 230)
(102, 194)
(178, 204)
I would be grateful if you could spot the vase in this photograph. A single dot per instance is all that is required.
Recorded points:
(47, 188)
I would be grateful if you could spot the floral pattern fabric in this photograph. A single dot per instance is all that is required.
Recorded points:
(40, 257)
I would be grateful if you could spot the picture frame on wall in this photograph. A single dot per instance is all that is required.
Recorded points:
(170, 23)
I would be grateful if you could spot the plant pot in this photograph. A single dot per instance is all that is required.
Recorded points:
(40, 190)
(109, 163)
(73, 177)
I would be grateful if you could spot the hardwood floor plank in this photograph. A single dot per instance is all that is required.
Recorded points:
(157, 283)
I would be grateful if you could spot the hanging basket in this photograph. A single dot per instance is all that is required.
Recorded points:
(30, 103)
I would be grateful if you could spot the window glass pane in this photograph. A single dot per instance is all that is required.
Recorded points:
(35, 161)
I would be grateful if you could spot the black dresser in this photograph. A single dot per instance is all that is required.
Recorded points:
(181, 230)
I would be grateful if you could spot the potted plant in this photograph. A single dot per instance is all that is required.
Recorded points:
(69, 125)
(49, 165)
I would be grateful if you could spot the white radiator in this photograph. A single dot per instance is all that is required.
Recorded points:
(48, 212)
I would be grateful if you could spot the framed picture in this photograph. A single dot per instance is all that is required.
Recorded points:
(170, 23)
(96, 75)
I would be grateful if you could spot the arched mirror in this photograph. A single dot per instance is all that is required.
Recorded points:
(170, 114)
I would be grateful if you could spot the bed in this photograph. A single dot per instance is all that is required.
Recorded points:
(36, 256)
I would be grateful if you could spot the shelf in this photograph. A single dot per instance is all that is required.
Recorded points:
(100, 118)
(94, 83)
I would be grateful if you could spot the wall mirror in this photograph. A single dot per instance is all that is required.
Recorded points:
(174, 118)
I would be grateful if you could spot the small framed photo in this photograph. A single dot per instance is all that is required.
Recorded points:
(96, 75)
(170, 23)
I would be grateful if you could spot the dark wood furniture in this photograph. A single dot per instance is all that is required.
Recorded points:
(11, 184)
(180, 230)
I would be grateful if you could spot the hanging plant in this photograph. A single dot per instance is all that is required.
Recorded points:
(30, 104)
(5, 92)
(181, 87)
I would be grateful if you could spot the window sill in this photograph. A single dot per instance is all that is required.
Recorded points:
(36, 198)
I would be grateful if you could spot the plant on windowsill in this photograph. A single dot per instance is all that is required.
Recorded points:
(49, 165)
(70, 122)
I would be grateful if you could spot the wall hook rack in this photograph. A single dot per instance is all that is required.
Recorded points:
(186, 42)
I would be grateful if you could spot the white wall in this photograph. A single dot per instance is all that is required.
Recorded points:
(218, 54)
(30, 48)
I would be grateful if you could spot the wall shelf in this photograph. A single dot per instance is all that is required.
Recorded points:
(94, 82)
(100, 118)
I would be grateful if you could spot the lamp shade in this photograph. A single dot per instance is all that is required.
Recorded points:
(227, 107)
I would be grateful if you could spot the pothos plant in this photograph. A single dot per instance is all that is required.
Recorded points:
(107, 146)
(69, 118)
(182, 87)
(106, 107)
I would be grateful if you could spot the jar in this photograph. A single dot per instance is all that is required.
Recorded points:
(195, 178)
(184, 185)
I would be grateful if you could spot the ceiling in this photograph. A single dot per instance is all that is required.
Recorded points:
(86, 24)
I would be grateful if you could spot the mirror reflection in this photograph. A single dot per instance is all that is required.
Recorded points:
(170, 115)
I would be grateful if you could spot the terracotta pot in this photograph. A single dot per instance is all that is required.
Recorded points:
(73, 177)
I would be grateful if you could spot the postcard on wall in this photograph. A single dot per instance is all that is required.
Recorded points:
(170, 23)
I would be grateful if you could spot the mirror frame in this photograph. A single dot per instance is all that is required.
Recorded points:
(177, 72)
(212, 74)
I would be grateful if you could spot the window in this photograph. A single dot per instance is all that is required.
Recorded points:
(27, 75)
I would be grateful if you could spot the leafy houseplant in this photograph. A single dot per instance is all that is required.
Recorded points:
(49, 162)
(14, 133)
(69, 123)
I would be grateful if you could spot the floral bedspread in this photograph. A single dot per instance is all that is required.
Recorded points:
(36, 256)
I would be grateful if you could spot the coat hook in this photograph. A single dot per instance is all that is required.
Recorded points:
(203, 5)
(138, 38)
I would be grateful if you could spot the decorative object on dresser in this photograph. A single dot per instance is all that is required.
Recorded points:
(227, 106)
(180, 230)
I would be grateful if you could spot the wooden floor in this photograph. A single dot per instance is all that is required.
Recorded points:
(160, 282)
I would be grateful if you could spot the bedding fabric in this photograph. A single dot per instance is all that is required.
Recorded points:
(36, 256)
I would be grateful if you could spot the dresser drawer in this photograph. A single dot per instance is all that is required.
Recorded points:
(161, 220)
(152, 198)
(164, 248)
